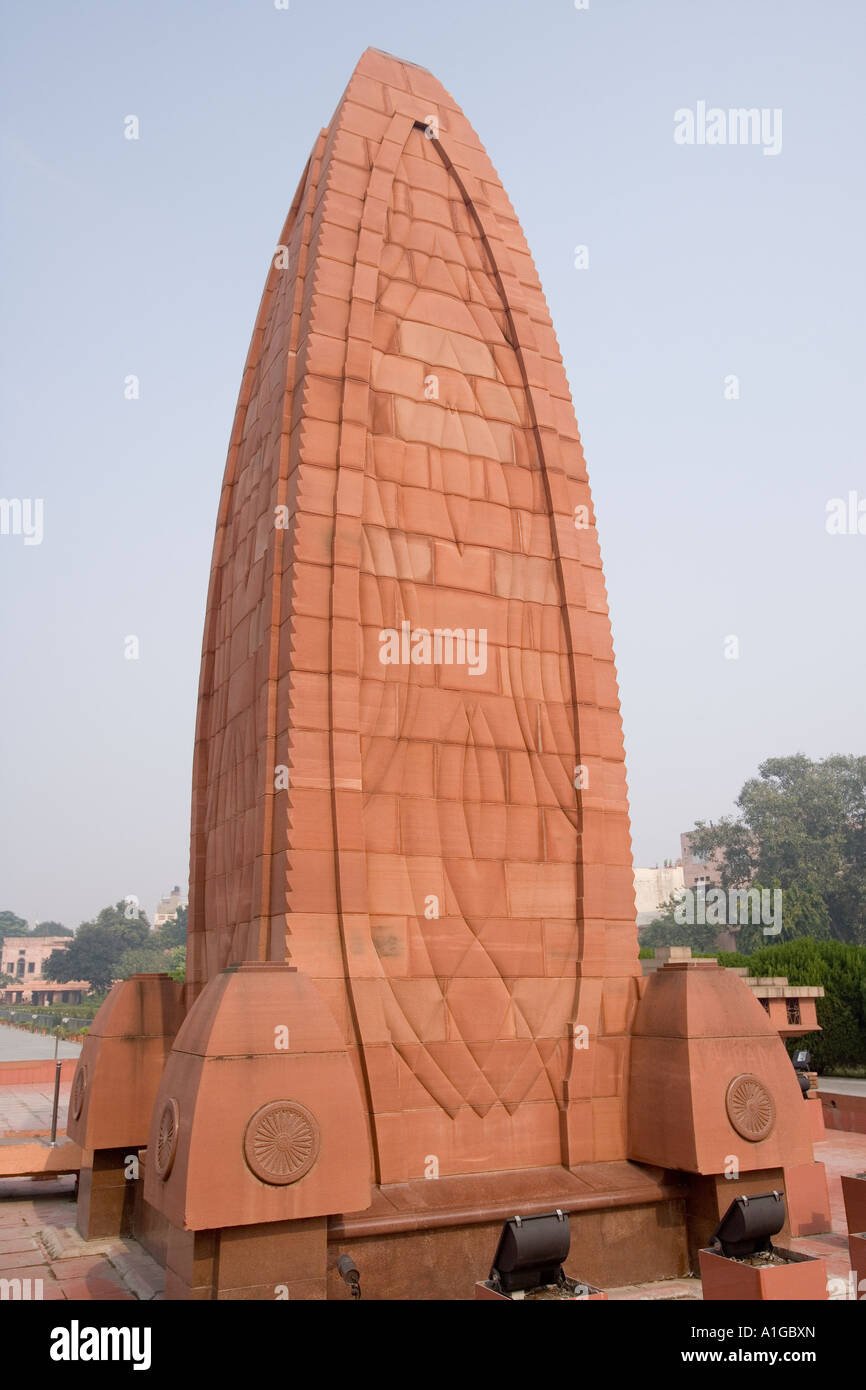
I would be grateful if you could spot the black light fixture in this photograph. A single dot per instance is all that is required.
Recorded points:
(801, 1060)
(748, 1225)
(531, 1252)
(350, 1274)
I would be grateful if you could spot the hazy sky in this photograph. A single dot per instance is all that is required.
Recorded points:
(706, 261)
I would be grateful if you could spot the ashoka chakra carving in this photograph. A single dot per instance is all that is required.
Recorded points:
(79, 1090)
(281, 1142)
(166, 1139)
(751, 1109)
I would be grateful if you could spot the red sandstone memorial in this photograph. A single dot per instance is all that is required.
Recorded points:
(413, 1002)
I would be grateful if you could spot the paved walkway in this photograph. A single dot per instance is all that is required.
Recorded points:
(38, 1241)
(25, 1109)
(842, 1085)
(20, 1045)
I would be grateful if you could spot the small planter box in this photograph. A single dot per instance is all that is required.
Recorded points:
(743, 1265)
(857, 1253)
(573, 1292)
(854, 1196)
(801, 1278)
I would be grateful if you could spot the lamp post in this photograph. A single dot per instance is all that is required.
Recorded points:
(58, 1067)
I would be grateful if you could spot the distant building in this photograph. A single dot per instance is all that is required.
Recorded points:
(167, 908)
(698, 868)
(24, 957)
(654, 887)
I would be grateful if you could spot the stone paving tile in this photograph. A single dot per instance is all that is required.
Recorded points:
(29, 1271)
(29, 1257)
(52, 1292)
(95, 1290)
(17, 1244)
(83, 1268)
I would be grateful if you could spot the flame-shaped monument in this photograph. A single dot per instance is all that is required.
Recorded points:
(412, 967)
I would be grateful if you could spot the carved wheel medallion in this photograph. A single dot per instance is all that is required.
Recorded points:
(166, 1139)
(751, 1109)
(79, 1090)
(281, 1142)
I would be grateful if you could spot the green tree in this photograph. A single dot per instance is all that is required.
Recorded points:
(12, 925)
(51, 929)
(173, 932)
(142, 960)
(98, 946)
(801, 826)
(667, 931)
(804, 914)
(177, 968)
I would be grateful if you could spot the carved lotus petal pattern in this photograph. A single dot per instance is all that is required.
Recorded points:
(79, 1090)
(751, 1108)
(281, 1142)
(166, 1139)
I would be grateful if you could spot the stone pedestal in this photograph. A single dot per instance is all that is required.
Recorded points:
(112, 1096)
(277, 1260)
(712, 1093)
(710, 1196)
(258, 1134)
(106, 1193)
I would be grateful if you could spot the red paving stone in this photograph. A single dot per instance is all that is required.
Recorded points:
(82, 1267)
(28, 1271)
(17, 1245)
(95, 1290)
(30, 1257)
(52, 1292)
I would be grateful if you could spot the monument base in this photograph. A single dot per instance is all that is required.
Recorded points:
(106, 1195)
(435, 1239)
(271, 1261)
(112, 1096)
(807, 1205)
(149, 1227)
